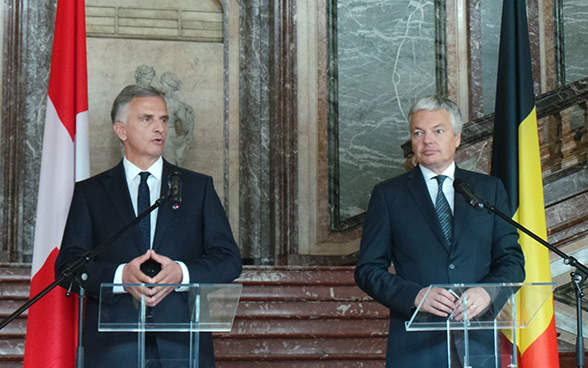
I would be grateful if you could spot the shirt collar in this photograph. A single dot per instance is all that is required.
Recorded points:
(429, 174)
(131, 171)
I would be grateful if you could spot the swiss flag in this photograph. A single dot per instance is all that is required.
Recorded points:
(52, 322)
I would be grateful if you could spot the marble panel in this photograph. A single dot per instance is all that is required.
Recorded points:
(1, 59)
(491, 14)
(386, 59)
(254, 135)
(37, 58)
(575, 23)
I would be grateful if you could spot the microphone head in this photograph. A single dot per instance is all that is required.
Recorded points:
(458, 183)
(463, 188)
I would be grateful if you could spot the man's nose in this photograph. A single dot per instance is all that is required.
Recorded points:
(427, 137)
(160, 125)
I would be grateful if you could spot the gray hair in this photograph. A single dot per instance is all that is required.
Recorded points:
(436, 103)
(120, 107)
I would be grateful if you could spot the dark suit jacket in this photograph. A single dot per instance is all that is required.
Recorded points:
(198, 234)
(401, 227)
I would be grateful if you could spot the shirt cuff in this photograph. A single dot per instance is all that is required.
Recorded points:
(118, 280)
(185, 277)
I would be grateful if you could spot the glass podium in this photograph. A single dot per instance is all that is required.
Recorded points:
(505, 315)
(191, 308)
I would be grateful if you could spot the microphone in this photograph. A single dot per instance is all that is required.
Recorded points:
(175, 189)
(462, 187)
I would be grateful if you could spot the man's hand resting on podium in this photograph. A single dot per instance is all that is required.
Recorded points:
(171, 273)
(439, 301)
(477, 300)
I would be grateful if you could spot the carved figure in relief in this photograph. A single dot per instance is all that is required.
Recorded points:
(181, 120)
(181, 115)
(144, 75)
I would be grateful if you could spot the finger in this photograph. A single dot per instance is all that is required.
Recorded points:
(439, 309)
(142, 258)
(472, 311)
(159, 258)
(448, 294)
(170, 274)
(160, 294)
(137, 291)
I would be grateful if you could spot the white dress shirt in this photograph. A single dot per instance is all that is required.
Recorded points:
(433, 185)
(154, 182)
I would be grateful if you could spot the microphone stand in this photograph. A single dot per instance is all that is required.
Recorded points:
(77, 270)
(578, 276)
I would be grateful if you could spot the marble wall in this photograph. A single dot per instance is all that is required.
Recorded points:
(300, 109)
(385, 60)
(572, 34)
(28, 33)
(575, 33)
(490, 14)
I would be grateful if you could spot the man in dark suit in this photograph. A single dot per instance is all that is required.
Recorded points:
(192, 244)
(458, 245)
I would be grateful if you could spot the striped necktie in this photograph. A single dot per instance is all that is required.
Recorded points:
(443, 210)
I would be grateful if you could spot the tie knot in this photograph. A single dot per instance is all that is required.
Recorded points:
(144, 176)
(440, 179)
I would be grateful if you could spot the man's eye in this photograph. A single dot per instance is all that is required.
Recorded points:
(417, 134)
(439, 131)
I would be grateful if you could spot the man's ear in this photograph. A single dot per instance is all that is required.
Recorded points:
(121, 130)
(457, 140)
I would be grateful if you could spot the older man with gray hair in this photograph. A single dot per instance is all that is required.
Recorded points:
(187, 244)
(415, 222)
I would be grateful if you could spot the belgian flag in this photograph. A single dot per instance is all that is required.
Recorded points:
(516, 160)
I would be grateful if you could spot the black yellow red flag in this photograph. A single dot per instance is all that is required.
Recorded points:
(516, 160)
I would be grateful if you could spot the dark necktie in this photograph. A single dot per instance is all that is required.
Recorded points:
(143, 203)
(443, 210)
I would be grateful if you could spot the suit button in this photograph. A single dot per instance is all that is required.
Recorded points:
(451, 266)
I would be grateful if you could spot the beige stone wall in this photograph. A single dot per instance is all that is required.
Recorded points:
(200, 66)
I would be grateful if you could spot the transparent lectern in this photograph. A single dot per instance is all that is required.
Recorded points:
(507, 312)
(191, 308)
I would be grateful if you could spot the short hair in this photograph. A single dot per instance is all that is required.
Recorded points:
(436, 103)
(120, 107)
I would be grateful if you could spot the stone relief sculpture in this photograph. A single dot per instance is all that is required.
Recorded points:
(181, 115)
(144, 75)
(181, 120)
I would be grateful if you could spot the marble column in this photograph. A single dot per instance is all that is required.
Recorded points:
(28, 40)
(268, 132)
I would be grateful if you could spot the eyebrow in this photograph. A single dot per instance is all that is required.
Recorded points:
(150, 116)
(435, 127)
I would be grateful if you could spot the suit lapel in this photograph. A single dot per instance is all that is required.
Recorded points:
(118, 192)
(460, 209)
(419, 191)
(164, 214)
